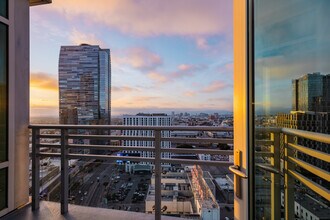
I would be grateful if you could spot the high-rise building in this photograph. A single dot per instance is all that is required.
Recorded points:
(85, 84)
(311, 93)
(142, 119)
(311, 112)
(309, 121)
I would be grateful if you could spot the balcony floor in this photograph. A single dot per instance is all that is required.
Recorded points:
(51, 210)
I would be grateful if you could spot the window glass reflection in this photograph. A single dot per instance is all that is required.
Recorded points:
(3, 188)
(291, 79)
(3, 92)
(4, 8)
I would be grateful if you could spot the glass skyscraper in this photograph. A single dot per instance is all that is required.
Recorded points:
(84, 85)
(310, 93)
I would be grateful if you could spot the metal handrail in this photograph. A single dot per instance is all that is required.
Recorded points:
(268, 168)
(314, 136)
(311, 152)
(157, 149)
(157, 160)
(132, 127)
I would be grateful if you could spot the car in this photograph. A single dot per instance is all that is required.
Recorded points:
(85, 193)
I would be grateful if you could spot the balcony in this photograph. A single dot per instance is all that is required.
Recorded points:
(282, 147)
(51, 210)
(67, 149)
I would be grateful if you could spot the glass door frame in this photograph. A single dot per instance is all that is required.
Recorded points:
(251, 109)
(242, 206)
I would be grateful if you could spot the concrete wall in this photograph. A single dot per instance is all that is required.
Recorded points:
(19, 101)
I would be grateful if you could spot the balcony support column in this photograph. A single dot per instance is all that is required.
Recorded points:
(64, 171)
(35, 169)
(288, 179)
(275, 177)
(158, 177)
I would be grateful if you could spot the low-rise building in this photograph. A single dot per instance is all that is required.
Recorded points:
(180, 196)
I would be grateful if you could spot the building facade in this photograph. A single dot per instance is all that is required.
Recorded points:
(311, 93)
(310, 112)
(176, 195)
(142, 119)
(309, 121)
(84, 85)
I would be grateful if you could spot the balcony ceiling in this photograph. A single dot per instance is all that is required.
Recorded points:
(39, 2)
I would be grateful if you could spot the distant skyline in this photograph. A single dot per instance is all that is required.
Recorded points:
(166, 55)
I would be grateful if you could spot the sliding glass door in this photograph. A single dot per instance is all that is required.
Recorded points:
(289, 51)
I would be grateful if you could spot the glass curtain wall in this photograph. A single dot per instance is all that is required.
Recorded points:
(291, 50)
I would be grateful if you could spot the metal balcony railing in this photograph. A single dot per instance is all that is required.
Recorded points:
(283, 150)
(69, 132)
(282, 142)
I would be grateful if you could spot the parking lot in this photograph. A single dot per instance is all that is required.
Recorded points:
(128, 191)
(107, 186)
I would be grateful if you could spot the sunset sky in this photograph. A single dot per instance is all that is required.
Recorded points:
(166, 55)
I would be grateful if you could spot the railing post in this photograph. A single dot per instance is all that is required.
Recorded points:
(158, 177)
(64, 171)
(288, 180)
(35, 168)
(275, 178)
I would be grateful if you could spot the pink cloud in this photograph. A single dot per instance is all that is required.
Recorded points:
(78, 37)
(186, 70)
(143, 99)
(158, 77)
(220, 44)
(150, 17)
(124, 89)
(138, 58)
(190, 93)
(202, 43)
(215, 86)
(183, 70)
(185, 67)
(225, 68)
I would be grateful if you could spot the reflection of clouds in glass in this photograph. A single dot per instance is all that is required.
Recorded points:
(291, 39)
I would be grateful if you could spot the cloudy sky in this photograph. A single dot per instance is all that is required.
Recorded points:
(166, 55)
(292, 38)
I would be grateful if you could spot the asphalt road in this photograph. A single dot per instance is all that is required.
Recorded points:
(90, 189)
